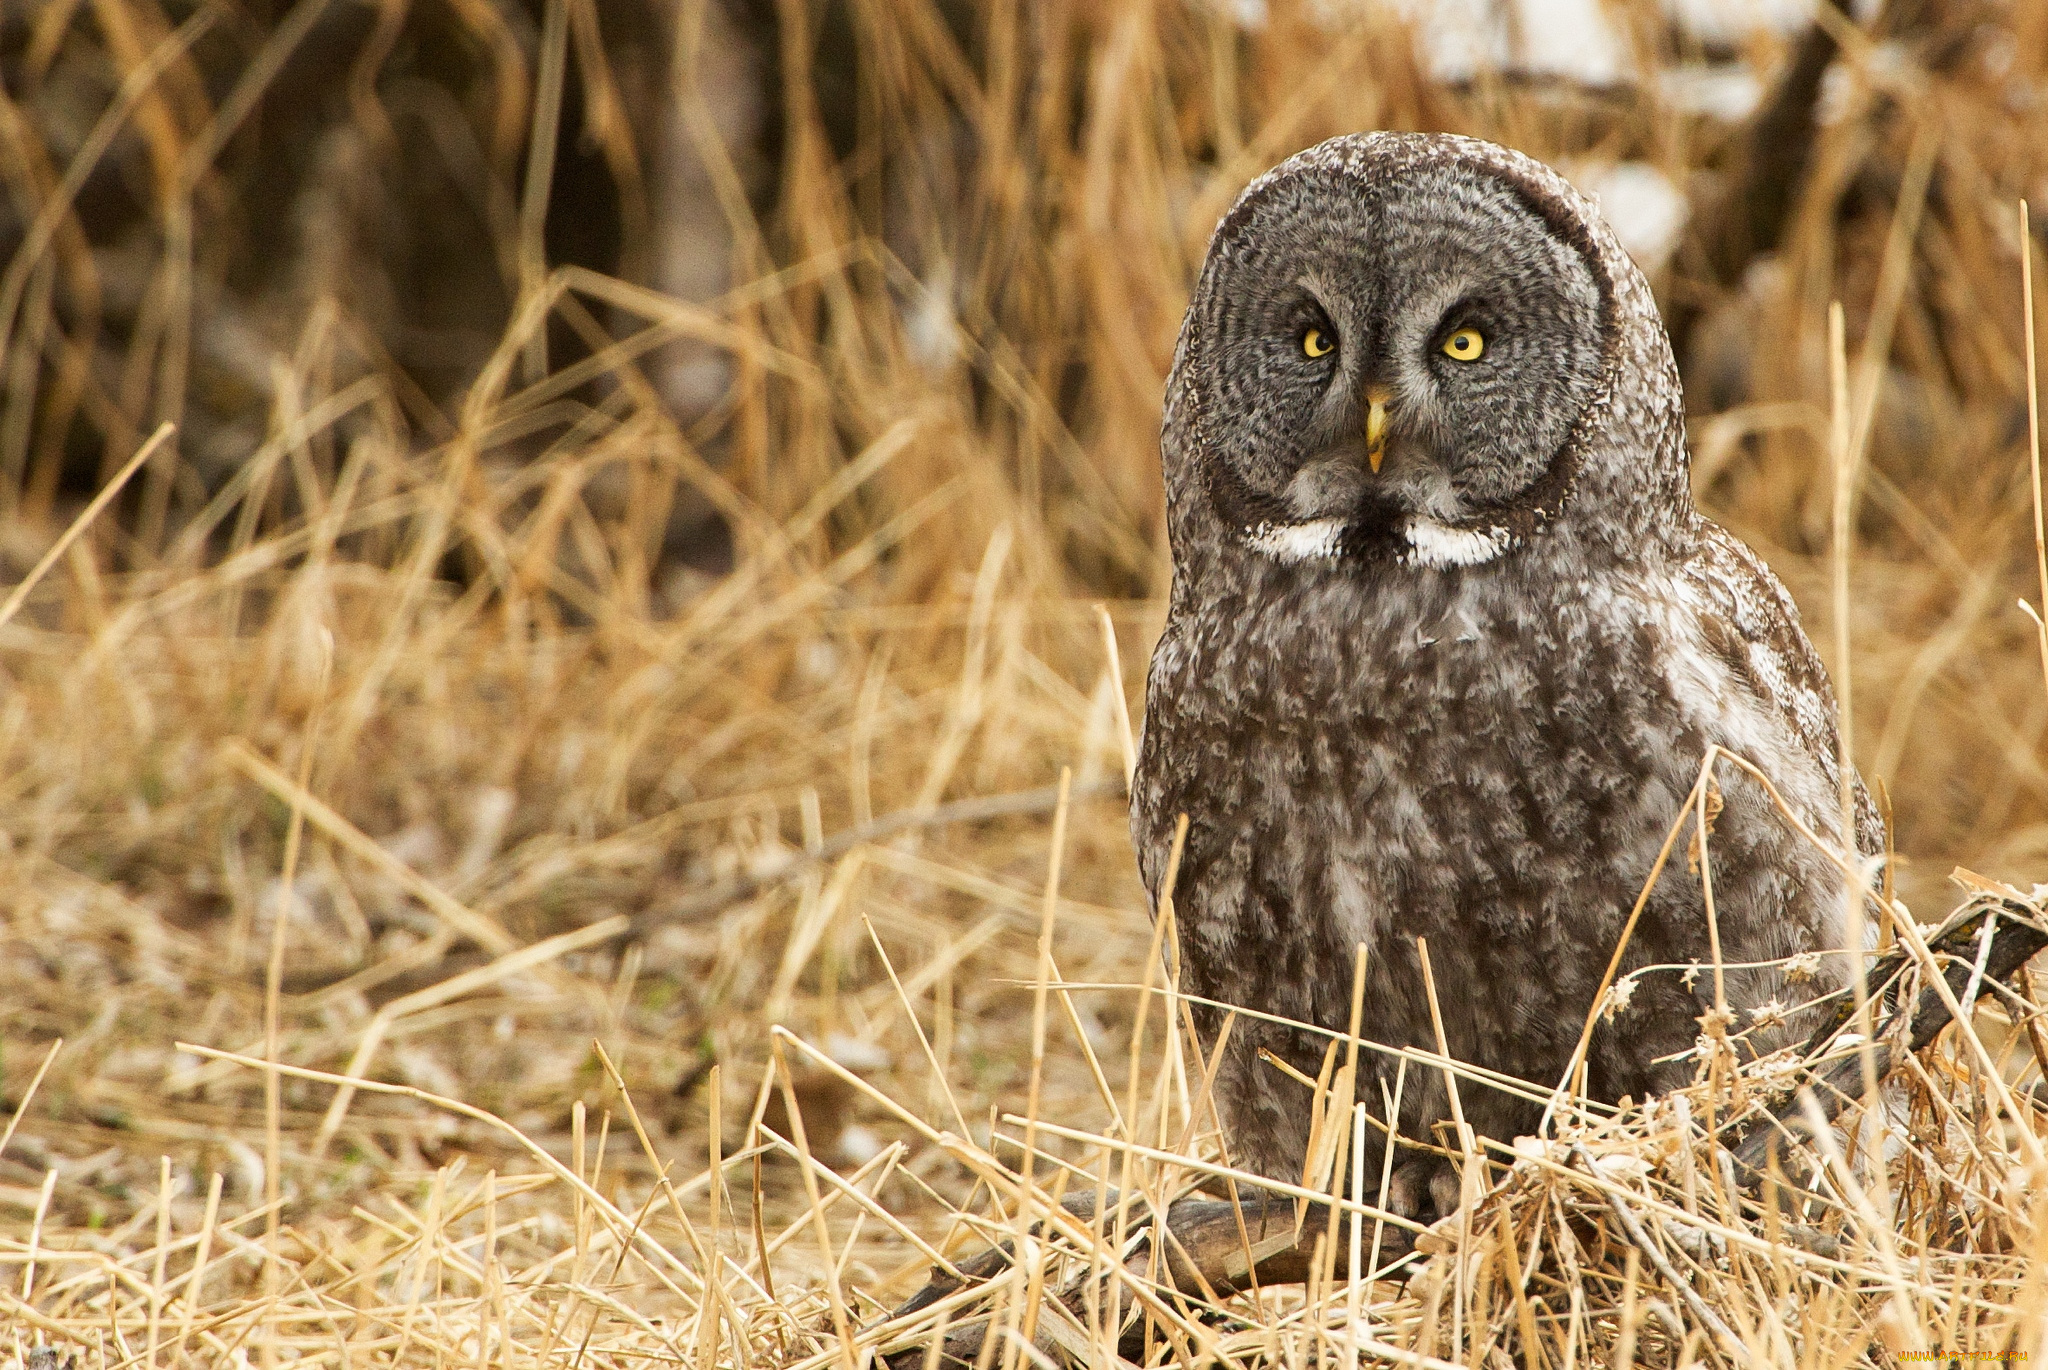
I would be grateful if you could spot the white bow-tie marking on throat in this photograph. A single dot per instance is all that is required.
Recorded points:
(1435, 545)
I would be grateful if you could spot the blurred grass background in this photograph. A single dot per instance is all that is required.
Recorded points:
(623, 447)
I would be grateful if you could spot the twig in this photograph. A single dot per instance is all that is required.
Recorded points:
(715, 899)
(21, 1109)
(2016, 942)
(2033, 434)
(662, 1262)
(84, 520)
(841, 1321)
(459, 918)
(1641, 1240)
(1969, 995)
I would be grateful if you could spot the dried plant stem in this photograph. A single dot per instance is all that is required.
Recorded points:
(35, 1235)
(1355, 1268)
(842, 1323)
(924, 1042)
(1392, 1104)
(197, 1278)
(2033, 434)
(1114, 664)
(28, 1095)
(1847, 448)
(1641, 1240)
(19, 595)
(1162, 919)
(1466, 1142)
(1631, 1311)
(273, 993)
(163, 1245)
(1042, 984)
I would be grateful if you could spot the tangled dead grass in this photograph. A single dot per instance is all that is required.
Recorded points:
(395, 750)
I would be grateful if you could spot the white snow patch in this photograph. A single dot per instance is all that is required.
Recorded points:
(1727, 23)
(1646, 211)
(1572, 39)
(1889, 67)
(1727, 91)
(855, 1054)
(858, 1145)
(1252, 15)
(1458, 40)
(819, 661)
(929, 327)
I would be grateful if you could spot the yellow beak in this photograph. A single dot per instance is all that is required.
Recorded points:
(1376, 426)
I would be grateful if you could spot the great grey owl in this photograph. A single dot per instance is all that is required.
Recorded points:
(1446, 646)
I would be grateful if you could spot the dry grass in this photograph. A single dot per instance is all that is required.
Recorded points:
(360, 730)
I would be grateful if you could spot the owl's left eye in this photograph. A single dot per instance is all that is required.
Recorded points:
(1317, 343)
(1465, 345)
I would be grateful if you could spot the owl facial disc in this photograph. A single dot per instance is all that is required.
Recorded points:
(1391, 359)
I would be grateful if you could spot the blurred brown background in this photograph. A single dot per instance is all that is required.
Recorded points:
(227, 215)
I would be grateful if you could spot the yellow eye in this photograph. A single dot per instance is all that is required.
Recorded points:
(1465, 345)
(1317, 343)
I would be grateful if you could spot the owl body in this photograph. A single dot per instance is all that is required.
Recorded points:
(1445, 651)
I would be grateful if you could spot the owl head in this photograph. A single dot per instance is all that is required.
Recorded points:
(1406, 347)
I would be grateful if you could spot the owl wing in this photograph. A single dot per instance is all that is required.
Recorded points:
(1751, 623)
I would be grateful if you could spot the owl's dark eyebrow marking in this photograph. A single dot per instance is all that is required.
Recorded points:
(1310, 310)
(1471, 311)
(1310, 292)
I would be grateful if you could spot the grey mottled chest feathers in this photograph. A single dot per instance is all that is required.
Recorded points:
(1488, 760)
(1424, 751)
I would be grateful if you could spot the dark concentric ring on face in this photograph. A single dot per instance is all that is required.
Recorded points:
(1386, 253)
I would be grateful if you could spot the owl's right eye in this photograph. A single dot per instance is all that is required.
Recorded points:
(1317, 343)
